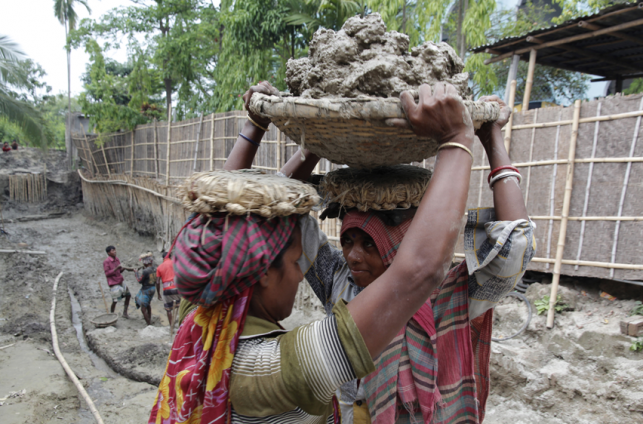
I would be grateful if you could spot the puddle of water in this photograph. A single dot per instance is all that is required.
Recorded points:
(98, 362)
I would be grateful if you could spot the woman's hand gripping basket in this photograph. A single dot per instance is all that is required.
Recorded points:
(358, 132)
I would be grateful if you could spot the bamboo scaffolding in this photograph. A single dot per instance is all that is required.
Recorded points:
(562, 232)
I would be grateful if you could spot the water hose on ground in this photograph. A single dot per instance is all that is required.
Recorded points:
(61, 358)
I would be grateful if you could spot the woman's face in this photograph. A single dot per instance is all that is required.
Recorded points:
(362, 256)
(276, 291)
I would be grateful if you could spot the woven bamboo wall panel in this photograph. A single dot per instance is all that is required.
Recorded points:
(539, 146)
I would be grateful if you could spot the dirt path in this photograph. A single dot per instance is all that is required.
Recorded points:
(75, 245)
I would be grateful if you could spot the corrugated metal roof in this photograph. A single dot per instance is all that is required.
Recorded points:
(610, 54)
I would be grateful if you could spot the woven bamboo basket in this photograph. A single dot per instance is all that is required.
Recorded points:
(355, 131)
(104, 320)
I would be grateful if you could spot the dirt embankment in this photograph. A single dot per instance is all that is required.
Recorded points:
(63, 186)
(580, 372)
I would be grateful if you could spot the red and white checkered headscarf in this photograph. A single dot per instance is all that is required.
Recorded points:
(387, 238)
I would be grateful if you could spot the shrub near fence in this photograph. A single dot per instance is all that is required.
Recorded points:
(582, 178)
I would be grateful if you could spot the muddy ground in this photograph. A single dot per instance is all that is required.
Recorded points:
(580, 372)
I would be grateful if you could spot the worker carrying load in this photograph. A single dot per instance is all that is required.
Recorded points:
(405, 338)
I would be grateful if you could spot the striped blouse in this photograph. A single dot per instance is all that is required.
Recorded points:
(291, 377)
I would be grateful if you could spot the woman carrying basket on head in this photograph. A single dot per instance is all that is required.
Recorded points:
(453, 328)
(231, 361)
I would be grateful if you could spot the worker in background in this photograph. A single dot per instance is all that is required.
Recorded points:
(5, 147)
(117, 287)
(147, 278)
(14, 145)
(171, 297)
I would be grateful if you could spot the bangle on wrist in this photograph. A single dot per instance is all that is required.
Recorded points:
(505, 175)
(500, 168)
(248, 139)
(265, 129)
(458, 145)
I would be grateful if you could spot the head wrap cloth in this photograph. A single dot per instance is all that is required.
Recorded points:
(406, 377)
(249, 244)
(217, 260)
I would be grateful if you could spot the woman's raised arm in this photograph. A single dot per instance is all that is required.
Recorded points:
(383, 308)
(249, 139)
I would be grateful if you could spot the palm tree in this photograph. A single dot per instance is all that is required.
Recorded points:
(12, 109)
(66, 15)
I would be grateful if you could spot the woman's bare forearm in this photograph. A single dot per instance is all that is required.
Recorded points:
(508, 201)
(300, 169)
(424, 255)
(243, 152)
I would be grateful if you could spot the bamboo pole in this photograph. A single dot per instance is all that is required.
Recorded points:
(61, 358)
(510, 103)
(169, 140)
(131, 161)
(569, 179)
(105, 158)
(196, 147)
(530, 79)
(582, 120)
(589, 185)
(626, 179)
(156, 150)
(91, 155)
(531, 155)
(631, 267)
(212, 142)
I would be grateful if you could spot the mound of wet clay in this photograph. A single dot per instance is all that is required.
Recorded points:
(362, 59)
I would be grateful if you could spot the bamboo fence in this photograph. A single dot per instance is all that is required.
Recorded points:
(28, 187)
(582, 169)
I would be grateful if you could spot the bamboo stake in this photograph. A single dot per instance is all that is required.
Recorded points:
(531, 155)
(626, 179)
(212, 142)
(196, 146)
(510, 103)
(530, 80)
(61, 358)
(569, 179)
(131, 161)
(105, 157)
(156, 150)
(169, 139)
(589, 185)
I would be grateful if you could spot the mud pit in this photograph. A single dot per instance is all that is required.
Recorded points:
(362, 59)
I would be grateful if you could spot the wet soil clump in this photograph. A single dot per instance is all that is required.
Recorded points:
(363, 59)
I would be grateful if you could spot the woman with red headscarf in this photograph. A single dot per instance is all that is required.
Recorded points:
(453, 328)
(232, 363)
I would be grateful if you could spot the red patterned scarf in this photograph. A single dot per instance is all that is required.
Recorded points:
(217, 261)
(438, 363)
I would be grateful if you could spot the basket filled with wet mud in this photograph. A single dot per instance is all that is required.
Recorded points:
(104, 320)
(344, 97)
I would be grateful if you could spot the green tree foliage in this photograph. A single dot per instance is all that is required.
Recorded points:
(106, 98)
(18, 81)
(635, 87)
(178, 39)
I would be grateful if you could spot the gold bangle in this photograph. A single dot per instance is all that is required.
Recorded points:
(461, 146)
(257, 125)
